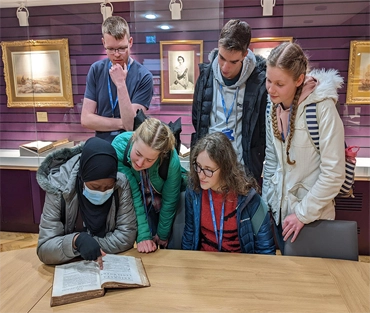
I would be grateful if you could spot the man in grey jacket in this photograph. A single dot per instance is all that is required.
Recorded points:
(230, 96)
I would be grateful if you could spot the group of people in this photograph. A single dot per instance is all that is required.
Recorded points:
(249, 114)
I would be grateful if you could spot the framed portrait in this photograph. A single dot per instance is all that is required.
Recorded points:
(263, 46)
(179, 69)
(37, 73)
(358, 84)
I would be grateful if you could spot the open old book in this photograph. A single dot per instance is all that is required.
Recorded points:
(84, 280)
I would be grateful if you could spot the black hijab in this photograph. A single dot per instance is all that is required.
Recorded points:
(98, 160)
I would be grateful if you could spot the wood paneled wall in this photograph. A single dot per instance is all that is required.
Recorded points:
(328, 47)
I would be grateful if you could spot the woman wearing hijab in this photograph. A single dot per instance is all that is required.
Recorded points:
(88, 208)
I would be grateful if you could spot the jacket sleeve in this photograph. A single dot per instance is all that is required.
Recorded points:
(123, 236)
(120, 143)
(170, 197)
(195, 111)
(271, 160)
(189, 229)
(332, 165)
(54, 247)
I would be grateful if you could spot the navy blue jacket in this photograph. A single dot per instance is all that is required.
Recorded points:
(261, 243)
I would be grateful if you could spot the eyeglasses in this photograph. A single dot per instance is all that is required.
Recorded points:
(206, 172)
(114, 51)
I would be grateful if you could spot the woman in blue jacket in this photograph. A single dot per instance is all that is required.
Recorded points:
(223, 211)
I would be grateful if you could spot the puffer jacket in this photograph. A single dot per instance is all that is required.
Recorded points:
(169, 189)
(57, 176)
(261, 243)
(308, 187)
(254, 107)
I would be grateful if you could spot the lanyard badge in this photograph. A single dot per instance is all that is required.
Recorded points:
(227, 131)
(218, 238)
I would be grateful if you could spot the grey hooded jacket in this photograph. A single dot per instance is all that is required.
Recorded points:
(57, 176)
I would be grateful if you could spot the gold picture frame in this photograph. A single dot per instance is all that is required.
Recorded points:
(37, 73)
(263, 46)
(358, 84)
(179, 69)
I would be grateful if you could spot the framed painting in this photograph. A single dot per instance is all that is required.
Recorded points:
(263, 46)
(37, 73)
(358, 84)
(179, 69)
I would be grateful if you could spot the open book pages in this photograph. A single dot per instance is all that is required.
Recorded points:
(84, 280)
(184, 151)
(39, 146)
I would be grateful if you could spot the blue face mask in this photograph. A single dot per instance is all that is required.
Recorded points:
(97, 197)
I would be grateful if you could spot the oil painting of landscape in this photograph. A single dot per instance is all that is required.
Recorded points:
(31, 77)
(37, 73)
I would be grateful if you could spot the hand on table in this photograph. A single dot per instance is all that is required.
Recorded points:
(146, 246)
(87, 246)
(291, 225)
(159, 242)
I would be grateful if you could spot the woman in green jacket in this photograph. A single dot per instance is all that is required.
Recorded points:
(149, 160)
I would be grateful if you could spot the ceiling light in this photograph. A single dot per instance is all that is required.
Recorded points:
(22, 15)
(150, 16)
(267, 6)
(164, 27)
(106, 9)
(175, 8)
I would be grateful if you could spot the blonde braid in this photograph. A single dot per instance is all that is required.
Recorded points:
(293, 115)
(275, 123)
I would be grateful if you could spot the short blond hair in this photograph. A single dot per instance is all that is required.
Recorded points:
(116, 26)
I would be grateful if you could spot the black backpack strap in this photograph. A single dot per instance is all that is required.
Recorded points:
(163, 168)
(125, 159)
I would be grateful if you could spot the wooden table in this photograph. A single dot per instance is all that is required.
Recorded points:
(193, 281)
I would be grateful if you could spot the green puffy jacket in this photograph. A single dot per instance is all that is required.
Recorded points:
(169, 189)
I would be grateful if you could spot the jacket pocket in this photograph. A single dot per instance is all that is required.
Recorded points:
(297, 193)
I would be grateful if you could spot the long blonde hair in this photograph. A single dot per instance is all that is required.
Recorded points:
(290, 58)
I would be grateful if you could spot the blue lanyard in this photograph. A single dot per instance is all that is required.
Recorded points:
(143, 193)
(219, 241)
(113, 105)
(227, 114)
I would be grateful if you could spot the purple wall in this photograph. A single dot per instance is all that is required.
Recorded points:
(327, 46)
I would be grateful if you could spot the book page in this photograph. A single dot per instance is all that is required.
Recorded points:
(120, 269)
(37, 145)
(76, 277)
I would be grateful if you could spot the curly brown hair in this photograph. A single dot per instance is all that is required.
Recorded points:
(221, 151)
(291, 58)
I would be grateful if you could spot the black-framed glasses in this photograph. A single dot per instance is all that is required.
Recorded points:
(114, 51)
(206, 172)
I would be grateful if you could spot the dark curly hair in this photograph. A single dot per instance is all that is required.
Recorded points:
(221, 151)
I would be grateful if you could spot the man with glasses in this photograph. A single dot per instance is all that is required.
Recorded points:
(117, 86)
(230, 96)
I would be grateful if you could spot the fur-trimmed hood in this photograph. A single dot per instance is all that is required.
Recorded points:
(329, 81)
(54, 172)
